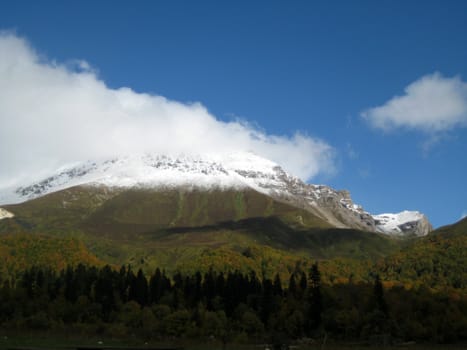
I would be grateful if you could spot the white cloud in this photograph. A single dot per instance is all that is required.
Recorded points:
(432, 104)
(52, 114)
(464, 215)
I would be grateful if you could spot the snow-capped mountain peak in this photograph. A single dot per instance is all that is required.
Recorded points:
(238, 170)
(403, 223)
(233, 171)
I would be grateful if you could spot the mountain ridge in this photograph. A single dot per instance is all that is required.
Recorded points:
(237, 171)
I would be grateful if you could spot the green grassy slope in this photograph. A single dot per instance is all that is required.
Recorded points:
(114, 212)
(231, 245)
(177, 229)
(137, 211)
(57, 212)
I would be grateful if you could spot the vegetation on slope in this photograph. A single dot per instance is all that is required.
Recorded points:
(372, 287)
(21, 251)
(174, 228)
(437, 261)
(118, 212)
(457, 229)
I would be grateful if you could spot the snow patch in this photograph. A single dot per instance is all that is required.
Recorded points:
(5, 214)
(397, 223)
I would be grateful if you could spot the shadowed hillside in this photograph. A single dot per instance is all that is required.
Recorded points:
(174, 228)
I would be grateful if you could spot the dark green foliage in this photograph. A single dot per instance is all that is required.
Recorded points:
(248, 276)
(227, 305)
(138, 289)
(315, 299)
(379, 296)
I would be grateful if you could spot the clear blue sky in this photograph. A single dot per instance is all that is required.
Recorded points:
(308, 66)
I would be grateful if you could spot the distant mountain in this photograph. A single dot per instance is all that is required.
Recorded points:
(229, 177)
(406, 223)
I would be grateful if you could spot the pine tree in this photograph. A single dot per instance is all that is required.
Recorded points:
(315, 298)
(139, 289)
(378, 291)
(292, 289)
(155, 287)
(277, 285)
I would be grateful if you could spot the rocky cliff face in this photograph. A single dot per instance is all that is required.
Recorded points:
(334, 206)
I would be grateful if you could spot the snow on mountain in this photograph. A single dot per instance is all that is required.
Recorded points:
(153, 171)
(403, 223)
(5, 214)
(237, 170)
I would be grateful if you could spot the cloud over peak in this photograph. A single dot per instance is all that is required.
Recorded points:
(431, 104)
(52, 114)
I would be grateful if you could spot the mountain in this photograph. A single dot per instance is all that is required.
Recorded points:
(203, 217)
(186, 229)
(406, 223)
(228, 176)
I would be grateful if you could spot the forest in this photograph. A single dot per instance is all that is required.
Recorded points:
(229, 306)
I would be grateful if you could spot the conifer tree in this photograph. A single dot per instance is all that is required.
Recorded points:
(378, 291)
(315, 298)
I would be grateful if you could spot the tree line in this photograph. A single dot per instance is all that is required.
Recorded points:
(230, 306)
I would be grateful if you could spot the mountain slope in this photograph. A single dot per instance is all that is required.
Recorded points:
(457, 229)
(435, 261)
(175, 228)
(236, 172)
(132, 211)
(21, 251)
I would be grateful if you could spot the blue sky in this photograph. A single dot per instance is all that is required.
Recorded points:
(326, 69)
